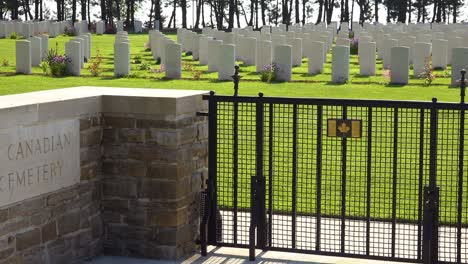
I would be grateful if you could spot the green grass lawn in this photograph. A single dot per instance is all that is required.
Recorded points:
(303, 85)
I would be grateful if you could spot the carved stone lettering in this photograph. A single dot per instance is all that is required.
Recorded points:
(38, 159)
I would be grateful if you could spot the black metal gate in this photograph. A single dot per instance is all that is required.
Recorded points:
(357, 178)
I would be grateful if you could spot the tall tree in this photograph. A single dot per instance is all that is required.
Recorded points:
(83, 10)
(232, 10)
(73, 11)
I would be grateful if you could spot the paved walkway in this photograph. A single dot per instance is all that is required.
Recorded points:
(227, 255)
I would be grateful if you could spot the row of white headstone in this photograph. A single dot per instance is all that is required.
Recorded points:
(29, 29)
(259, 48)
(32, 51)
(53, 29)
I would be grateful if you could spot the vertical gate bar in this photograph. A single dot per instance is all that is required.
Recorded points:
(460, 182)
(421, 180)
(369, 178)
(235, 165)
(212, 168)
(343, 185)
(395, 174)
(294, 176)
(433, 146)
(261, 224)
(431, 201)
(253, 216)
(319, 176)
(270, 177)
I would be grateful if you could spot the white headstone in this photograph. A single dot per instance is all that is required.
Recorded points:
(78, 28)
(3, 29)
(100, 27)
(453, 42)
(315, 57)
(387, 54)
(340, 64)
(367, 58)
(173, 61)
(421, 53)
(36, 50)
(282, 59)
(226, 61)
(196, 47)
(459, 62)
(250, 49)
(138, 26)
(121, 59)
(408, 41)
(73, 50)
(213, 53)
(44, 44)
(263, 54)
(296, 45)
(439, 53)
(203, 53)
(342, 42)
(120, 26)
(23, 57)
(26, 30)
(82, 42)
(399, 69)
(86, 46)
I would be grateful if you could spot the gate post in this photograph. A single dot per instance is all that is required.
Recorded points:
(213, 225)
(431, 197)
(261, 213)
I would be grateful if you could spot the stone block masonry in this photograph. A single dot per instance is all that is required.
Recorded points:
(142, 161)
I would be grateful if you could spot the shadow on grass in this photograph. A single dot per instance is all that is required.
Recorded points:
(330, 83)
(395, 85)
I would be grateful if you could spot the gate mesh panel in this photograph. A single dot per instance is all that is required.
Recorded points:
(366, 196)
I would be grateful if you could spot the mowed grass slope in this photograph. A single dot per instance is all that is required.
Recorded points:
(382, 170)
(303, 85)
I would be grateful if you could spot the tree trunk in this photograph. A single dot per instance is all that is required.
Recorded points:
(231, 14)
(331, 4)
(251, 13)
(290, 13)
(304, 2)
(127, 13)
(89, 11)
(319, 17)
(409, 11)
(103, 10)
(455, 11)
(58, 9)
(36, 9)
(132, 14)
(198, 12)
(110, 17)
(297, 12)
(263, 7)
(347, 11)
(203, 14)
(117, 6)
(73, 11)
(183, 5)
(376, 4)
(256, 14)
(83, 10)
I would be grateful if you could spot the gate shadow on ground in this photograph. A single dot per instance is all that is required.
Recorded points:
(220, 255)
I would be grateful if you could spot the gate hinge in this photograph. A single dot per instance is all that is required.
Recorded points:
(202, 114)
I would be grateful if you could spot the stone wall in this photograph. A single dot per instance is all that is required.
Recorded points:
(64, 225)
(152, 173)
(143, 160)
